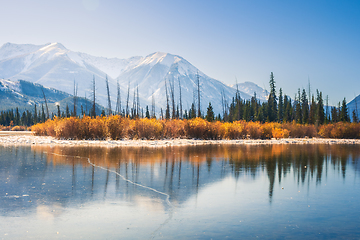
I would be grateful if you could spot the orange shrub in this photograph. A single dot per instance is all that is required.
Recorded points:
(19, 128)
(174, 128)
(266, 131)
(115, 127)
(97, 128)
(253, 130)
(148, 128)
(68, 128)
(280, 133)
(197, 128)
(217, 130)
(39, 129)
(340, 130)
(235, 130)
(325, 130)
(294, 129)
(5, 128)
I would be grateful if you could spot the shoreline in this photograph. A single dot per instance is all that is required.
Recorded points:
(26, 138)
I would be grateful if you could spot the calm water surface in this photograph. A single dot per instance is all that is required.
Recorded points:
(203, 192)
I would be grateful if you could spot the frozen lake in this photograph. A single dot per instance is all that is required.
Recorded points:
(195, 192)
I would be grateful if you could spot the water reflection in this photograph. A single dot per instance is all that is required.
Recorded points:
(48, 180)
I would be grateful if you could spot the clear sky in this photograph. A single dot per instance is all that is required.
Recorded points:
(297, 40)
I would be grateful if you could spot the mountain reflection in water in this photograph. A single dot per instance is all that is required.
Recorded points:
(40, 178)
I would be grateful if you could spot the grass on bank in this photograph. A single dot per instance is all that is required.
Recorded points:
(117, 127)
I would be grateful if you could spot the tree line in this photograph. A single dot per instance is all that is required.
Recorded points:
(305, 108)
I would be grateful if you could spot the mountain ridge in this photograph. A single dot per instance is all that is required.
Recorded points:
(55, 66)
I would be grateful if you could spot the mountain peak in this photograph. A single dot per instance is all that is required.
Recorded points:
(53, 46)
(166, 59)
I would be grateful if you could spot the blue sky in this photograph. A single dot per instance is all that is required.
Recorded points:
(297, 40)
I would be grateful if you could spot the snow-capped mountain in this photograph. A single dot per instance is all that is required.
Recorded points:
(53, 65)
(24, 95)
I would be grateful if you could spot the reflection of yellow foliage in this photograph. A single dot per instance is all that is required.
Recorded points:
(117, 127)
(114, 157)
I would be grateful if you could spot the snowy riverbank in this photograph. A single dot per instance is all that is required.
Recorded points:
(26, 138)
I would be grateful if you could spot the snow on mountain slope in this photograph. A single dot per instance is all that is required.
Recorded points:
(113, 67)
(55, 66)
(154, 69)
(9, 50)
(24, 95)
(354, 105)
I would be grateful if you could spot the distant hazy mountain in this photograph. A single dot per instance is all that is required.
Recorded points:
(25, 95)
(250, 88)
(53, 65)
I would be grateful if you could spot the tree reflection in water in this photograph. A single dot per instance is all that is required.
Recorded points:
(306, 161)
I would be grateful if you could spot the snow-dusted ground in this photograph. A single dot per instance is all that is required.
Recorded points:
(25, 138)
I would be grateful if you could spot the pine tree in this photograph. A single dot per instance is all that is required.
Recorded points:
(344, 115)
(288, 110)
(210, 113)
(281, 107)
(58, 110)
(147, 113)
(272, 103)
(192, 111)
(304, 107)
(35, 115)
(320, 108)
(67, 111)
(298, 111)
(312, 113)
(355, 117)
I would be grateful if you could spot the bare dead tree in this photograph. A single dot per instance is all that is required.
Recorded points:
(137, 102)
(75, 98)
(194, 102)
(153, 105)
(167, 112)
(86, 104)
(47, 109)
(134, 106)
(93, 110)
(223, 102)
(172, 95)
(198, 91)
(118, 99)
(181, 112)
(238, 100)
(108, 94)
(127, 101)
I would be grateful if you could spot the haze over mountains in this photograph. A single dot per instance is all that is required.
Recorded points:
(52, 65)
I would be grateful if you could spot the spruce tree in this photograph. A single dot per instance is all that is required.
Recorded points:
(320, 108)
(272, 103)
(298, 111)
(147, 113)
(210, 113)
(312, 113)
(344, 115)
(281, 107)
(304, 107)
